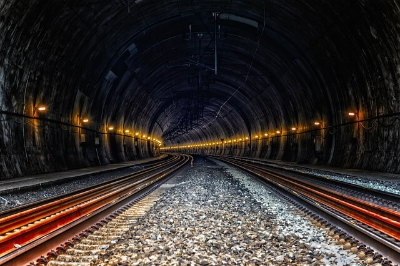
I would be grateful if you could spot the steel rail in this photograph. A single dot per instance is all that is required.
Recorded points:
(379, 193)
(29, 206)
(385, 221)
(39, 220)
(15, 219)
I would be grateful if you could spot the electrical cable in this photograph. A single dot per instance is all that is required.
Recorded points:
(389, 125)
(248, 71)
(375, 124)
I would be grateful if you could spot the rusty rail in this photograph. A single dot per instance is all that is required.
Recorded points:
(19, 228)
(382, 219)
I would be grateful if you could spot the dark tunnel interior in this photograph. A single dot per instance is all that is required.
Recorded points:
(228, 77)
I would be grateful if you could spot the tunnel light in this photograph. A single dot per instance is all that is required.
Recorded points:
(41, 109)
(85, 120)
(352, 114)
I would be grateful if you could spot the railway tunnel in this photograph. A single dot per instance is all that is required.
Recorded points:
(121, 80)
(216, 132)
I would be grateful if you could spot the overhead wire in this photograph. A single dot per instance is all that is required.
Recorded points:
(248, 71)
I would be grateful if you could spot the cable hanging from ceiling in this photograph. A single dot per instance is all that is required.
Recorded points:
(248, 71)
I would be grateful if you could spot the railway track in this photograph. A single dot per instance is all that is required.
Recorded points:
(103, 234)
(35, 226)
(374, 214)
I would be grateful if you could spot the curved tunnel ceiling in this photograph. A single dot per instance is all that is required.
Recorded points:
(150, 65)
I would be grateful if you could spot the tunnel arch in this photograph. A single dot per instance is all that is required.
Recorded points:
(134, 66)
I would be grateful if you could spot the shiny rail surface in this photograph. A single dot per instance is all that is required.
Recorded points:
(27, 226)
(382, 223)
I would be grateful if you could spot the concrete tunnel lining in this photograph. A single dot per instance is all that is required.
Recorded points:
(280, 64)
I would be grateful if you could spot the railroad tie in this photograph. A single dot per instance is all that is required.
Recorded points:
(89, 248)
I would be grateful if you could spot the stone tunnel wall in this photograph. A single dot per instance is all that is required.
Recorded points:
(65, 57)
(30, 146)
(40, 64)
(354, 145)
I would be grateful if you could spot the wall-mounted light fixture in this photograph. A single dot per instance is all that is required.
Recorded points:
(353, 114)
(294, 128)
(40, 109)
(110, 128)
(317, 123)
(266, 134)
(82, 136)
(127, 131)
(278, 132)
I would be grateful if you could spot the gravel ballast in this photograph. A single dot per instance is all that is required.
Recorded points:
(217, 215)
